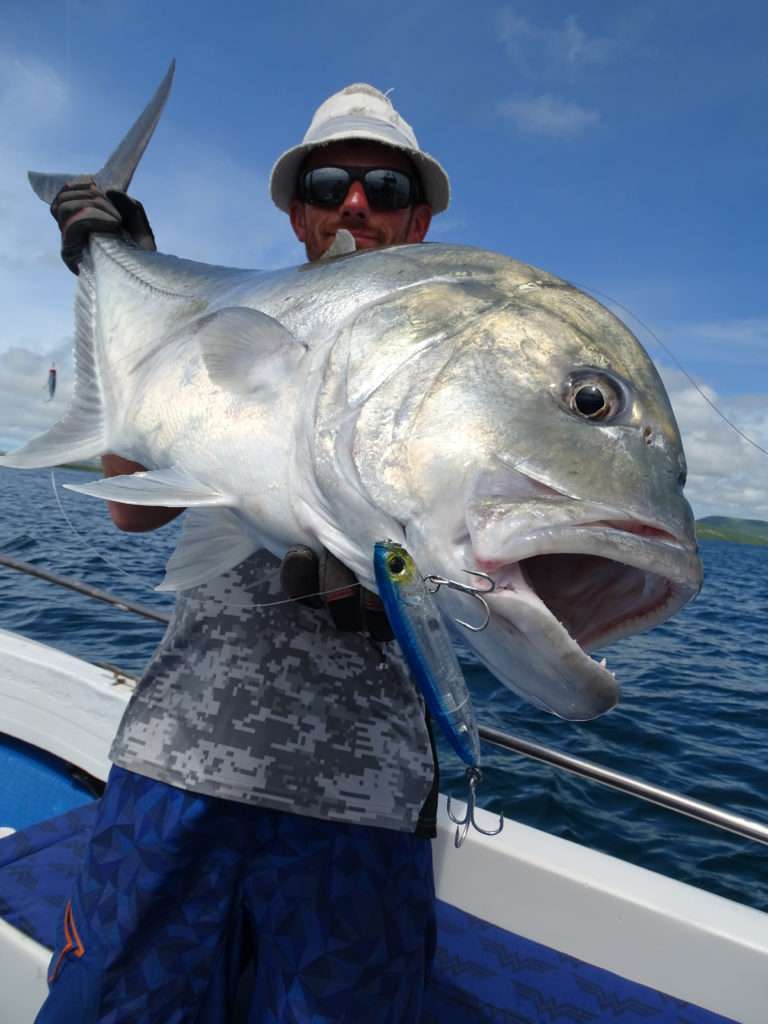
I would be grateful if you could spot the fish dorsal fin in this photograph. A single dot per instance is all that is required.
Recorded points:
(159, 276)
(213, 540)
(170, 488)
(342, 245)
(245, 350)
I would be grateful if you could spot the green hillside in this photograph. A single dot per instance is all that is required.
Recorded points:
(737, 531)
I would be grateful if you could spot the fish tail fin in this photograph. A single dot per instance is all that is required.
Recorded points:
(118, 170)
(82, 431)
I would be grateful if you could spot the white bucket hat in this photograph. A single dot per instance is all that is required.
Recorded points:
(359, 112)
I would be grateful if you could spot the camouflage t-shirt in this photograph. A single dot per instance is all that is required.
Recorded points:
(273, 706)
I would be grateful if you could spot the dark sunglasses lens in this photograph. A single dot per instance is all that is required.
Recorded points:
(326, 186)
(388, 190)
(384, 189)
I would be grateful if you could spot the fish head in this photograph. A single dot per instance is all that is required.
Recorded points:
(521, 431)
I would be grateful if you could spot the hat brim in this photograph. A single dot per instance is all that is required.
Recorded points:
(282, 180)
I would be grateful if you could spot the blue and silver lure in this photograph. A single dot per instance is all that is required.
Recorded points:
(426, 645)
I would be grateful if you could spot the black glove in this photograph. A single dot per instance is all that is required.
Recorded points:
(352, 608)
(80, 209)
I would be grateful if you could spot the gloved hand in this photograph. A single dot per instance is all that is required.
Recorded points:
(352, 608)
(80, 209)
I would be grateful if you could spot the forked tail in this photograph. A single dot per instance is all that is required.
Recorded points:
(118, 170)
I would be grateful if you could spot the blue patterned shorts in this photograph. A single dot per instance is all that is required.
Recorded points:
(195, 909)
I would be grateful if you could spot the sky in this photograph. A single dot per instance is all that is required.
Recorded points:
(621, 146)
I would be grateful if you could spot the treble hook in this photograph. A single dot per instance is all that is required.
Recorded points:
(441, 581)
(474, 778)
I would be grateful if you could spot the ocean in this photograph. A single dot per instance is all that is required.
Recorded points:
(693, 716)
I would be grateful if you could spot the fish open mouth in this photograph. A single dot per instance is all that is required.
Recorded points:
(561, 591)
(597, 598)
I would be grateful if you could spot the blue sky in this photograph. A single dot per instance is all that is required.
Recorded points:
(622, 146)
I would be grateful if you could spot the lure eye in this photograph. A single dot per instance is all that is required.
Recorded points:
(593, 395)
(396, 565)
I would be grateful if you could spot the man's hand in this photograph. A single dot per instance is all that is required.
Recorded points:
(80, 209)
(353, 609)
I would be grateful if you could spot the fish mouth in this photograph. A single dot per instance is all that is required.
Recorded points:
(640, 577)
(560, 592)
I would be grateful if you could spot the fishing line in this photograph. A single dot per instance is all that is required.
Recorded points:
(292, 600)
(141, 584)
(677, 363)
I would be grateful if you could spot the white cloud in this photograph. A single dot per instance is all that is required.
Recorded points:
(726, 474)
(548, 115)
(537, 51)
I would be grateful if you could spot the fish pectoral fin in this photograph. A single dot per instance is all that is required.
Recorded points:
(342, 245)
(169, 488)
(245, 350)
(212, 542)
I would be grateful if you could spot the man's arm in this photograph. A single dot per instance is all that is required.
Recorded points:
(134, 518)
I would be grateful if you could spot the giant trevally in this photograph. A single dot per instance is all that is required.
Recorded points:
(480, 412)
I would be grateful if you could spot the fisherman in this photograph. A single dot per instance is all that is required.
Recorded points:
(274, 786)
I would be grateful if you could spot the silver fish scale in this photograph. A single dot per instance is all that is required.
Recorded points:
(274, 707)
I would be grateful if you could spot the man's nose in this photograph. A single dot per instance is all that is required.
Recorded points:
(355, 203)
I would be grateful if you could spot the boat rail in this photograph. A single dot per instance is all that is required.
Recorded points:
(84, 588)
(737, 824)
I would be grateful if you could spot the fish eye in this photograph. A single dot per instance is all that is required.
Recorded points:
(589, 400)
(594, 395)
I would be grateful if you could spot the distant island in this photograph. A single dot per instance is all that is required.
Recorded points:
(737, 531)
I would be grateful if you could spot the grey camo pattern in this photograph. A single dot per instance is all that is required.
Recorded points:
(273, 706)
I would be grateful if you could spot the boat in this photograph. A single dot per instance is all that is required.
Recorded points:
(531, 927)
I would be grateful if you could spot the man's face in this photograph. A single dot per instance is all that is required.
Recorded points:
(316, 226)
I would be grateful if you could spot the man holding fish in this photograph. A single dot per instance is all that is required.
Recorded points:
(275, 784)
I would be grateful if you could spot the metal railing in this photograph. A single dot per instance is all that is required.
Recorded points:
(738, 824)
(84, 588)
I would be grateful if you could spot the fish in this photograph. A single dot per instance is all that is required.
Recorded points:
(484, 414)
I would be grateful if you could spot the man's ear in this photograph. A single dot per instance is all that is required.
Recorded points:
(298, 221)
(420, 221)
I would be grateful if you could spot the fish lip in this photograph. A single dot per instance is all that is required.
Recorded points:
(670, 567)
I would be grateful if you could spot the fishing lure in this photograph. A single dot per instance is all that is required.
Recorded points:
(426, 645)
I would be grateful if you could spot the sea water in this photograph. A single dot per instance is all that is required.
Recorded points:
(693, 715)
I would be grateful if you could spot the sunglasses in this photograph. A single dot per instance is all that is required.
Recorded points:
(384, 189)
